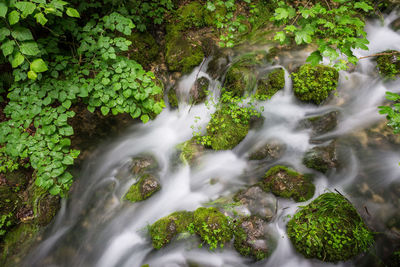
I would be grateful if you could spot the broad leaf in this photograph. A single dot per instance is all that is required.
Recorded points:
(41, 19)
(3, 9)
(38, 65)
(26, 8)
(32, 75)
(314, 58)
(17, 60)
(8, 47)
(13, 17)
(29, 48)
(4, 32)
(72, 12)
(22, 34)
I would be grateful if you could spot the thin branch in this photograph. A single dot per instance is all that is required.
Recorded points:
(380, 54)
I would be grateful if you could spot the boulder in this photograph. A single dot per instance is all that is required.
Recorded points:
(144, 188)
(389, 65)
(198, 92)
(270, 151)
(322, 158)
(321, 124)
(270, 83)
(190, 151)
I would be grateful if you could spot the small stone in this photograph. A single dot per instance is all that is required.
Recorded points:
(321, 124)
(322, 158)
(143, 164)
(395, 25)
(271, 150)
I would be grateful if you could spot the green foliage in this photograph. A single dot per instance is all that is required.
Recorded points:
(314, 83)
(329, 229)
(148, 12)
(389, 64)
(271, 83)
(5, 222)
(337, 26)
(392, 113)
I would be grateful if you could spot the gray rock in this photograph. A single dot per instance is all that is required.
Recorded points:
(322, 158)
(271, 150)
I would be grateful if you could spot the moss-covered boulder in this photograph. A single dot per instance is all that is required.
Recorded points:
(193, 15)
(389, 65)
(329, 229)
(252, 239)
(190, 151)
(198, 92)
(269, 151)
(313, 84)
(144, 188)
(322, 158)
(212, 226)
(144, 48)
(270, 83)
(286, 182)
(257, 202)
(224, 131)
(165, 229)
(395, 25)
(173, 98)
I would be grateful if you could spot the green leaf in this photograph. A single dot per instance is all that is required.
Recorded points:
(22, 34)
(72, 12)
(105, 110)
(41, 19)
(4, 32)
(65, 142)
(29, 48)
(55, 190)
(281, 13)
(8, 47)
(364, 6)
(290, 28)
(38, 65)
(331, 53)
(32, 75)
(26, 8)
(13, 17)
(145, 118)
(68, 160)
(280, 36)
(66, 104)
(3, 9)
(137, 113)
(302, 37)
(314, 58)
(17, 60)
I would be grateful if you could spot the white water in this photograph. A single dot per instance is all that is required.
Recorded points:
(95, 227)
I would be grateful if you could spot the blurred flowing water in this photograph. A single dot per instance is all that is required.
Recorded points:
(96, 227)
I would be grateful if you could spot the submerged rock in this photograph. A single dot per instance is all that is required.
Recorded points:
(198, 92)
(251, 238)
(144, 188)
(165, 229)
(287, 183)
(143, 164)
(271, 150)
(322, 158)
(314, 83)
(395, 25)
(270, 83)
(329, 229)
(321, 124)
(173, 98)
(258, 202)
(190, 151)
(389, 65)
(212, 226)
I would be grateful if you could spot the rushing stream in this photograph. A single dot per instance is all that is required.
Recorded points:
(96, 227)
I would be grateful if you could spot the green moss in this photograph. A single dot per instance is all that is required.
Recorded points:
(144, 48)
(143, 189)
(165, 229)
(198, 93)
(285, 182)
(225, 131)
(389, 65)
(212, 226)
(329, 229)
(189, 151)
(173, 98)
(270, 84)
(313, 84)
(193, 15)
(321, 158)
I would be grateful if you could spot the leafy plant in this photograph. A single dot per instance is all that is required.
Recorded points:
(336, 26)
(392, 112)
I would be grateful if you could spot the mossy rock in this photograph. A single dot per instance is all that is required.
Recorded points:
(144, 164)
(270, 83)
(321, 124)
(193, 15)
(322, 158)
(389, 65)
(143, 189)
(144, 48)
(395, 25)
(182, 55)
(166, 228)
(286, 182)
(198, 93)
(173, 98)
(252, 239)
(314, 83)
(212, 226)
(190, 150)
(271, 150)
(329, 229)
(224, 131)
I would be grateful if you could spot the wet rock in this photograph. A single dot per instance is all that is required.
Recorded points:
(394, 224)
(322, 158)
(47, 208)
(258, 202)
(395, 25)
(217, 65)
(270, 83)
(321, 124)
(198, 92)
(256, 122)
(285, 182)
(144, 48)
(251, 238)
(329, 229)
(146, 186)
(389, 65)
(173, 98)
(272, 150)
(394, 259)
(165, 229)
(190, 151)
(314, 83)
(144, 164)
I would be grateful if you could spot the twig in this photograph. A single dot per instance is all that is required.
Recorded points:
(380, 54)
(366, 210)
(328, 4)
(295, 19)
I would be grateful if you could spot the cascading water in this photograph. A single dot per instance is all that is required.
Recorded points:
(96, 227)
